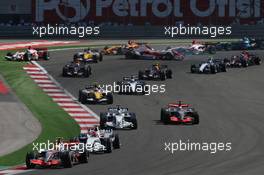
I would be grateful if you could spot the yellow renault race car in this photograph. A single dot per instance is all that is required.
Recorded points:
(94, 94)
(89, 56)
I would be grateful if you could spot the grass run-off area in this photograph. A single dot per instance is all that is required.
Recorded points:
(55, 122)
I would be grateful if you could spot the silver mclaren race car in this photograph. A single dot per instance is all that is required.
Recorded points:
(118, 118)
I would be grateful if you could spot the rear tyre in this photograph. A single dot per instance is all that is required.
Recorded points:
(66, 159)
(84, 157)
(162, 76)
(87, 71)
(103, 120)
(164, 116)
(169, 74)
(196, 118)
(82, 97)
(169, 56)
(116, 143)
(101, 57)
(257, 61)
(193, 68)
(29, 156)
(134, 120)
(140, 75)
(110, 99)
(212, 50)
(95, 59)
(108, 146)
(64, 72)
(212, 69)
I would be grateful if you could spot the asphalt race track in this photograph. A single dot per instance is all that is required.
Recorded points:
(231, 108)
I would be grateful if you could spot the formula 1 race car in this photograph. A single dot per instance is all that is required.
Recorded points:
(95, 94)
(121, 49)
(88, 56)
(100, 140)
(197, 48)
(155, 72)
(210, 66)
(29, 55)
(178, 113)
(57, 158)
(118, 118)
(245, 59)
(244, 44)
(76, 69)
(146, 52)
(131, 85)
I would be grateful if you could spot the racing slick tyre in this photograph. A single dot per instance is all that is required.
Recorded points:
(64, 72)
(228, 47)
(87, 71)
(196, 118)
(169, 74)
(131, 55)
(84, 157)
(82, 97)
(134, 120)
(212, 50)
(27, 57)
(66, 160)
(164, 116)
(110, 99)
(223, 67)
(29, 156)
(103, 120)
(257, 60)
(119, 51)
(193, 68)
(107, 144)
(212, 69)
(95, 59)
(46, 56)
(140, 75)
(162, 76)
(116, 143)
(244, 63)
(100, 57)
(169, 56)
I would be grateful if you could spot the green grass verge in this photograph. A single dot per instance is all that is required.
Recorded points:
(55, 122)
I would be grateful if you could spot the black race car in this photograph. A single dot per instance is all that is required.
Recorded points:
(155, 72)
(178, 113)
(211, 66)
(76, 69)
(245, 59)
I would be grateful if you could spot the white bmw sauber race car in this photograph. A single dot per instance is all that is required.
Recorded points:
(118, 118)
(100, 140)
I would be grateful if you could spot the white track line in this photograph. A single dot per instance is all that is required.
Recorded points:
(80, 114)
